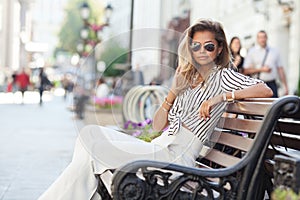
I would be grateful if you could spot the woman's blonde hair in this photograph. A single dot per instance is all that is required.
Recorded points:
(185, 59)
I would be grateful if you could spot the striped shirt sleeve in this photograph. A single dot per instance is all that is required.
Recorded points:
(232, 80)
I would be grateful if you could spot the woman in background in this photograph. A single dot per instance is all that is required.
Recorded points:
(235, 48)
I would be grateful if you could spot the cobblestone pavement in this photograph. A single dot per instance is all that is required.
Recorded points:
(36, 144)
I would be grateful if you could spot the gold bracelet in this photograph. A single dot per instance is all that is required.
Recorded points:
(232, 97)
(164, 109)
(168, 103)
(224, 96)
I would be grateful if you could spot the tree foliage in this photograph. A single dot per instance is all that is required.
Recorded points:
(112, 55)
(69, 34)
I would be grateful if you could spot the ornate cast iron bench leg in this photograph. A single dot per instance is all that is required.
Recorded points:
(102, 190)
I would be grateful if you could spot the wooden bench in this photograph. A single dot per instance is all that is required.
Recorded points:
(232, 167)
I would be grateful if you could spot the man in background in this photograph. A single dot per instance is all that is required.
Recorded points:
(264, 62)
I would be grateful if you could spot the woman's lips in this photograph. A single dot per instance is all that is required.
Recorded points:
(202, 57)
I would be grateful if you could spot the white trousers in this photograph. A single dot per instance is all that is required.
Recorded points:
(98, 149)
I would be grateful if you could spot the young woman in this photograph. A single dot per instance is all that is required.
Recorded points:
(202, 85)
(235, 48)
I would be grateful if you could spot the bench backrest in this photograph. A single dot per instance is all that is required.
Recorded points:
(234, 134)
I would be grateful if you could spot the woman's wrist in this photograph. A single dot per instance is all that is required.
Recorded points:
(167, 105)
(228, 96)
(168, 102)
(164, 109)
(171, 95)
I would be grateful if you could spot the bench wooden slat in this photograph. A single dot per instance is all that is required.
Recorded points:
(249, 108)
(221, 158)
(243, 125)
(289, 142)
(289, 153)
(292, 127)
(201, 165)
(235, 141)
(281, 150)
(265, 100)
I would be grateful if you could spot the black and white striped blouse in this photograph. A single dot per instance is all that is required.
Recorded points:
(185, 109)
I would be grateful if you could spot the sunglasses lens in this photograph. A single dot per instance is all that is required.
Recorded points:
(209, 47)
(195, 46)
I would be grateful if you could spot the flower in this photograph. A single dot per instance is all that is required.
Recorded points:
(137, 133)
(108, 102)
(142, 130)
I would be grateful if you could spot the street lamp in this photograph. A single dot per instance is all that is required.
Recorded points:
(108, 12)
(92, 28)
(130, 33)
(85, 11)
(88, 43)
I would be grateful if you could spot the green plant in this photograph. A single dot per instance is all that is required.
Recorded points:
(284, 194)
(142, 130)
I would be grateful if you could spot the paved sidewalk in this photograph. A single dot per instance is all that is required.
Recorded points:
(36, 144)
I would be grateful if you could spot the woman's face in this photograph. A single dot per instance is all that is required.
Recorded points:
(235, 45)
(205, 48)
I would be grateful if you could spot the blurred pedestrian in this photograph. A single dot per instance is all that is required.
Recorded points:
(68, 85)
(102, 89)
(12, 83)
(235, 48)
(81, 96)
(22, 81)
(44, 84)
(138, 76)
(117, 86)
(264, 62)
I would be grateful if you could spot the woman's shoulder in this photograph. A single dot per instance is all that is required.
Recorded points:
(226, 70)
(226, 73)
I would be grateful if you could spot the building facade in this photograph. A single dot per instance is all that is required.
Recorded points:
(9, 38)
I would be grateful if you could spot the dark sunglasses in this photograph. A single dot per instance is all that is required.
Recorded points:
(196, 46)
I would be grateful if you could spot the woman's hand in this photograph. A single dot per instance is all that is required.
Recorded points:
(207, 105)
(237, 60)
(180, 83)
(205, 110)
